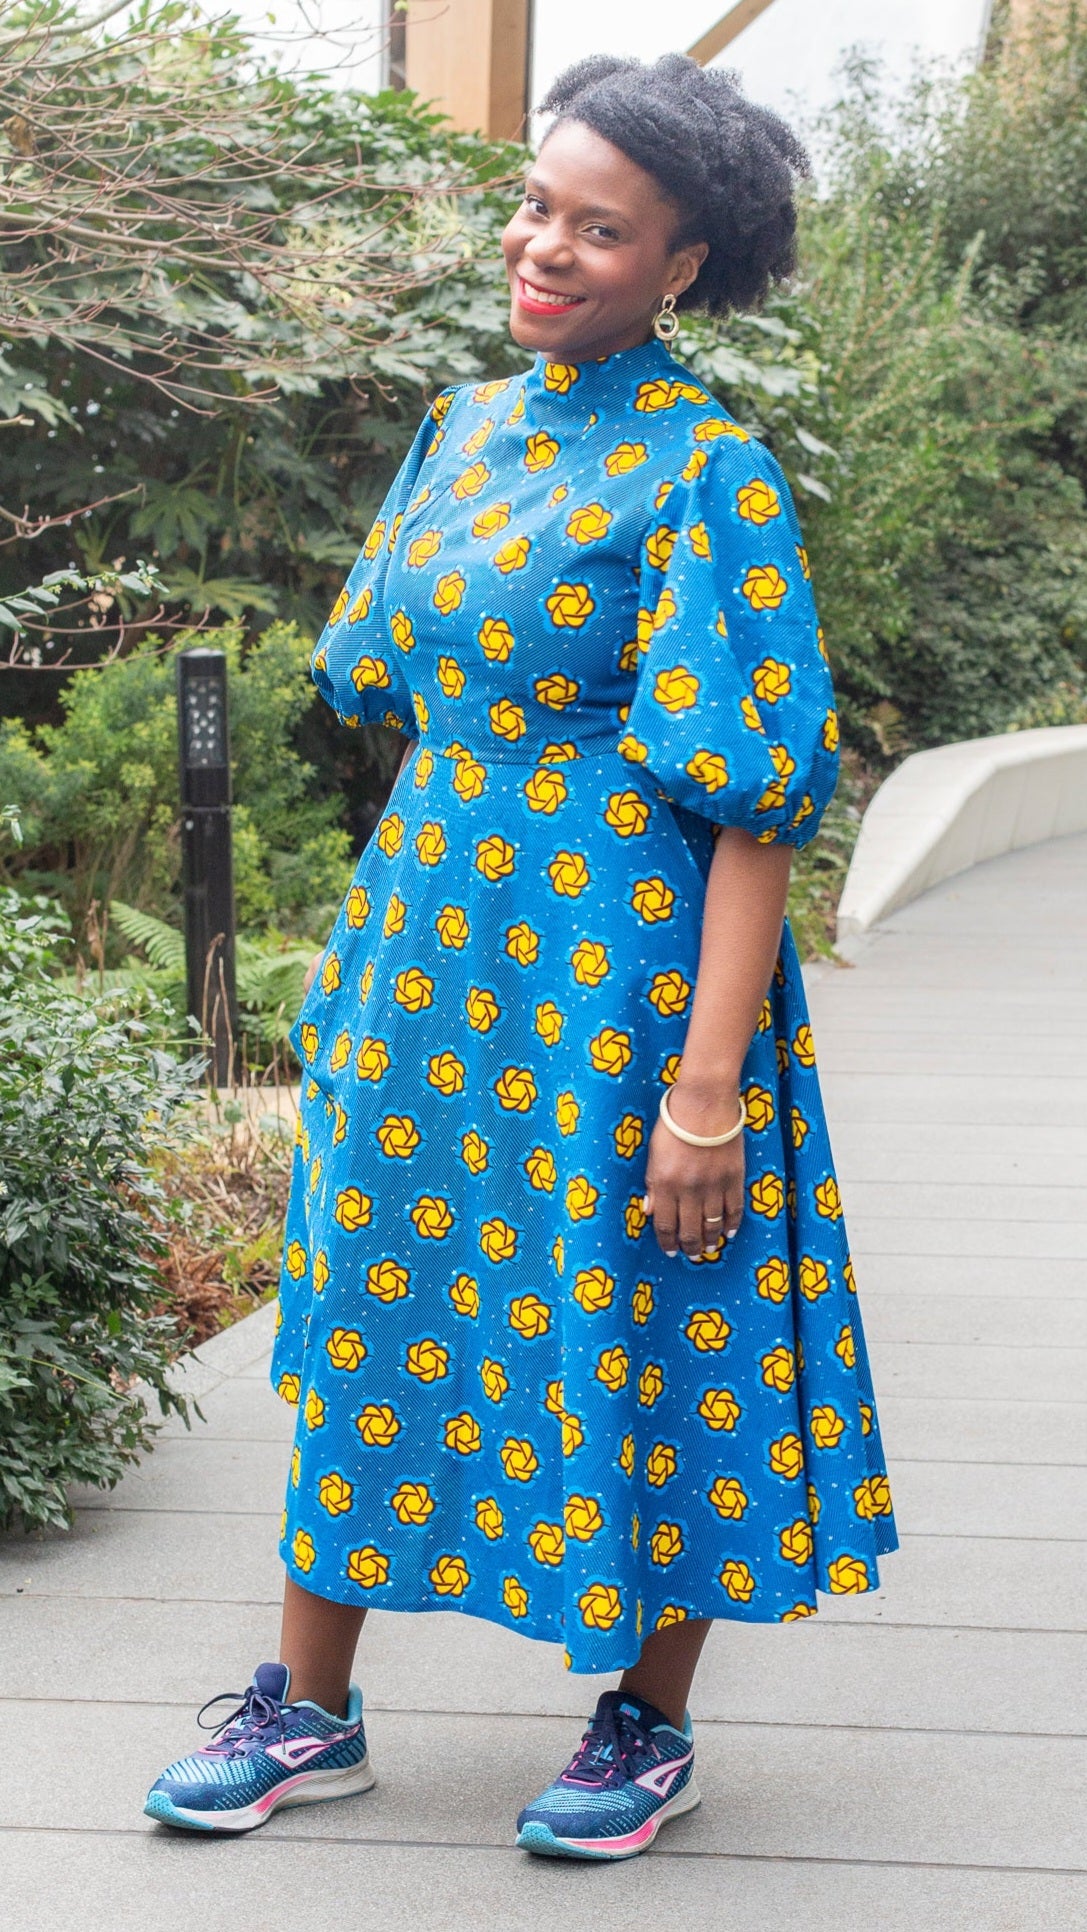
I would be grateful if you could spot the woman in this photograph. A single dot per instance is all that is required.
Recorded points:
(566, 1357)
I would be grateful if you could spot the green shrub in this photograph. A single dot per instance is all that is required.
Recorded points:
(84, 1099)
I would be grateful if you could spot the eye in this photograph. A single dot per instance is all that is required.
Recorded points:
(534, 202)
(598, 228)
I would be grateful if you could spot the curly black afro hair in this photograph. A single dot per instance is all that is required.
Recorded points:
(730, 167)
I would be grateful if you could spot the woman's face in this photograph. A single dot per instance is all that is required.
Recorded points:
(590, 252)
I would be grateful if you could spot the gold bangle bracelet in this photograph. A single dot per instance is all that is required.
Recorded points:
(702, 1140)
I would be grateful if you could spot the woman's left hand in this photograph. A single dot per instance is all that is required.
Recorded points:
(695, 1195)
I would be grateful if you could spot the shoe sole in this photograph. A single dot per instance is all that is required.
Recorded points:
(307, 1788)
(538, 1837)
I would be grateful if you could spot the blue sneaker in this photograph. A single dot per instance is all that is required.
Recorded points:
(631, 1772)
(267, 1753)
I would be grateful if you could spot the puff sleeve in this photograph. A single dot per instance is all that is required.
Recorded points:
(733, 710)
(355, 665)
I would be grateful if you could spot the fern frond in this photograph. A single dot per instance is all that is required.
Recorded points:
(162, 945)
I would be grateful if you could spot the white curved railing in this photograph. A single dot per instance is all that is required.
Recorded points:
(947, 809)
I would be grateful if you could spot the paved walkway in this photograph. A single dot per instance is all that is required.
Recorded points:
(908, 1762)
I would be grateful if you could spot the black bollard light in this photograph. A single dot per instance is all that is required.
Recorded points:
(207, 864)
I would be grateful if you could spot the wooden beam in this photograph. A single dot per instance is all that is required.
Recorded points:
(471, 58)
(726, 30)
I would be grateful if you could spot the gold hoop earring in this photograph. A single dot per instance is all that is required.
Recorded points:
(666, 321)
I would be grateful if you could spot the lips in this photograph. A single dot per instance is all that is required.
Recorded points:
(540, 301)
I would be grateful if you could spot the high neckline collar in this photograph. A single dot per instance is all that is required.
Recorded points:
(596, 386)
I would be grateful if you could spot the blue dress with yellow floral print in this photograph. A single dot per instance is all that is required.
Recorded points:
(586, 597)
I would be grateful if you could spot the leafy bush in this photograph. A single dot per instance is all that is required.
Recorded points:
(85, 1100)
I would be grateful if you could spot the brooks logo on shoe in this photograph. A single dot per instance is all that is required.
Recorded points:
(297, 1750)
(663, 1776)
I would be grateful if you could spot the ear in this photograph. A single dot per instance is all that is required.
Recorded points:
(686, 263)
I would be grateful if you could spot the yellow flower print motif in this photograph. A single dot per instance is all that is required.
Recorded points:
(665, 611)
(613, 1369)
(659, 547)
(296, 1466)
(346, 1349)
(830, 732)
(449, 593)
(569, 874)
(303, 1551)
(546, 790)
(848, 1576)
(590, 962)
(357, 908)
(738, 1582)
(719, 1409)
(626, 1455)
(314, 1411)
(757, 503)
(699, 539)
(353, 1209)
(371, 673)
(375, 540)
(570, 606)
(320, 1272)
(594, 1289)
(446, 1072)
(560, 377)
(339, 606)
(549, 1023)
(627, 813)
(464, 1295)
(522, 944)
(581, 1198)
(708, 769)
(764, 587)
(515, 1597)
(395, 917)
(771, 681)
(573, 1434)
(625, 457)
(767, 1195)
(495, 857)
(848, 1275)
(759, 1106)
(411, 1503)
(427, 1360)
(672, 1613)
(584, 1518)
(512, 555)
(529, 1316)
(631, 748)
(628, 1135)
(485, 392)
(289, 1388)
(431, 1217)
(815, 1507)
(828, 1201)
(470, 482)
(556, 691)
(450, 1576)
(516, 1090)
(378, 1425)
(398, 1136)
(665, 1544)
(803, 1046)
(635, 1217)
(611, 1051)
(798, 1127)
(786, 1456)
(475, 442)
(482, 1009)
(641, 1302)
(845, 1348)
(413, 989)
(315, 1174)
(494, 1379)
(341, 1052)
(469, 779)
(555, 1399)
(798, 1612)
(826, 1425)
(451, 926)
(402, 631)
(295, 1260)
(795, 1542)
(360, 609)
(813, 1278)
(489, 522)
(600, 1606)
(310, 1039)
(661, 1464)
(450, 677)
(547, 1543)
(653, 396)
(778, 1367)
(462, 1434)
(715, 426)
(424, 549)
(334, 1494)
(387, 1280)
(728, 1497)
(541, 1170)
(497, 1239)
(539, 453)
(567, 1113)
(676, 688)
(489, 1519)
(653, 900)
(650, 1384)
(872, 1498)
(707, 1330)
(589, 523)
(519, 1459)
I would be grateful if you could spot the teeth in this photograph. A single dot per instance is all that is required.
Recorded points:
(545, 295)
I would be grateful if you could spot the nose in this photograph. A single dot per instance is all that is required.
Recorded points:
(548, 248)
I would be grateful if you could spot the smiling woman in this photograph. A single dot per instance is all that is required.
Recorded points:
(567, 1306)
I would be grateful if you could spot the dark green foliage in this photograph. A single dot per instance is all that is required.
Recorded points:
(84, 1099)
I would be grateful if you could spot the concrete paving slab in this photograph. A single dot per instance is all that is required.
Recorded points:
(945, 1099)
(989, 1237)
(964, 1320)
(895, 1153)
(995, 1278)
(976, 1431)
(939, 1370)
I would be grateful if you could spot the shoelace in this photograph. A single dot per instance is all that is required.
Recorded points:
(238, 1733)
(613, 1745)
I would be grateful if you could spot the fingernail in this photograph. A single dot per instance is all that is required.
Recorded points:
(671, 1253)
(731, 1236)
(645, 1202)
